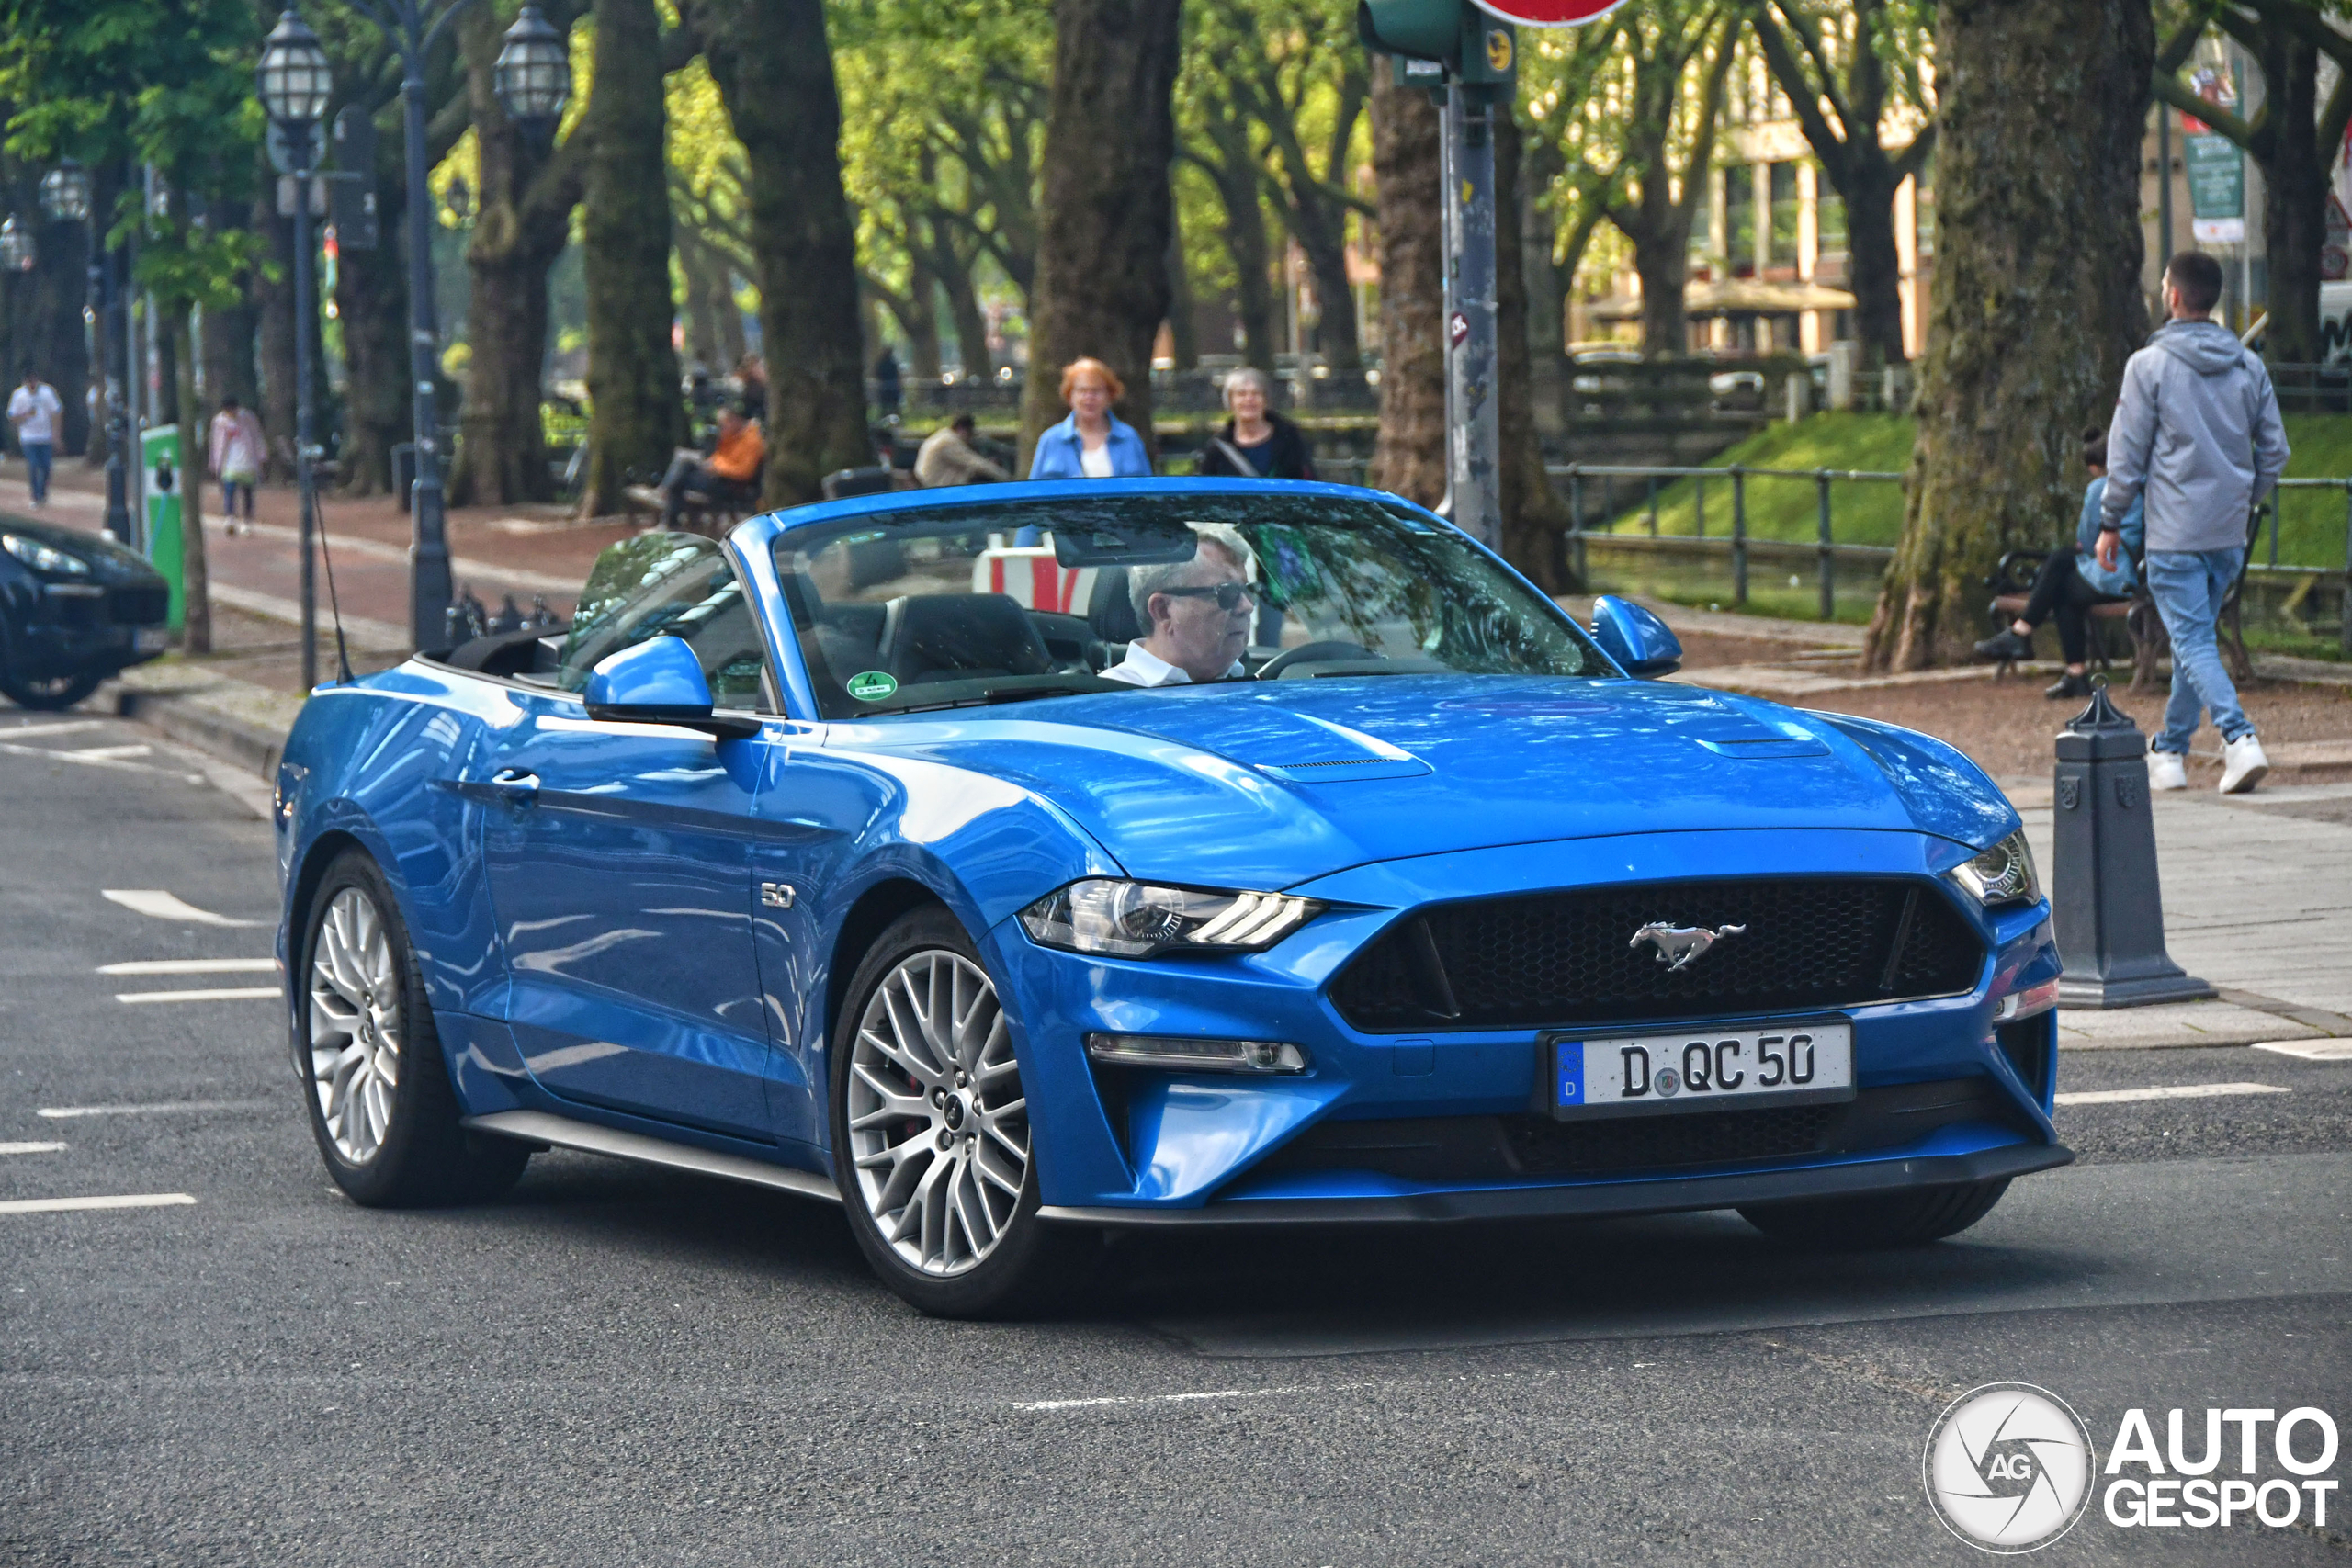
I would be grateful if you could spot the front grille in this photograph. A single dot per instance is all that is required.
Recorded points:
(137, 606)
(1563, 958)
(1440, 1149)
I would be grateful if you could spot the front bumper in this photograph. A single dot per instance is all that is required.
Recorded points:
(1119, 1146)
(1606, 1200)
(60, 629)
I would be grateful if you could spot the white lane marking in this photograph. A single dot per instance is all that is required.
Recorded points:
(218, 994)
(113, 1201)
(2170, 1091)
(19, 731)
(103, 753)
(86, 759)
(66, 1112)
(31, 1148)
(167, 906)
(192, 966)
(1155, 1398)
(2311, 1050)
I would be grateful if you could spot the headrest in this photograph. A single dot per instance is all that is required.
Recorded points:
(957, 636)
(1109, 613)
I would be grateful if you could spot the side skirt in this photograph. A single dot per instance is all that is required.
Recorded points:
(540, 1127)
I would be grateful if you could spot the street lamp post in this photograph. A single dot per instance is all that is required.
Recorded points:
(404, 21)
(294, 86)
(65, 196)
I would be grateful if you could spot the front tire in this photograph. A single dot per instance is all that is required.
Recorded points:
(53, 695)
(1879, 1221)
(931, 1130)
(382, 1109)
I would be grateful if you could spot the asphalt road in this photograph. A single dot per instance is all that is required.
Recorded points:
(621, 1366)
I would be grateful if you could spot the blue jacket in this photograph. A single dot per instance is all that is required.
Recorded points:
(2135, 526)
(1060, 451)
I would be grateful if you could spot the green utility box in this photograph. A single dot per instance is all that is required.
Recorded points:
(159, 454)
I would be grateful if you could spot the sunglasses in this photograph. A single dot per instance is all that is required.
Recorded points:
(1229, 597)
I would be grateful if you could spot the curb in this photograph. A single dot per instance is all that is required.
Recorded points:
(248, 747)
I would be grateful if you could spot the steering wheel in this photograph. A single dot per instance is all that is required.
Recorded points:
(1311, 653)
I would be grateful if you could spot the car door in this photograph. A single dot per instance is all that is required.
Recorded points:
(620, 863)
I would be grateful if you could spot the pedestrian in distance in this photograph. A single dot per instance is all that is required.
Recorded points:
(948, 458)
(2071, 581)
(1092, 443)
(234, 451)
(2196, 434)
(1256, 443)
(34, 410)
(889, 385)
(752, 387)
(728, 478)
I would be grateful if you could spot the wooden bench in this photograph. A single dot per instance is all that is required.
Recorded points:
(2144, 628)
(697, 514)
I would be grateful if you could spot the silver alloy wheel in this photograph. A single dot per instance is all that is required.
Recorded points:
(354, 1025)
(938, 1126)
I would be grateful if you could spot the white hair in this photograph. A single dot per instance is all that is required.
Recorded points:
(1143, 581)
(1249, 375)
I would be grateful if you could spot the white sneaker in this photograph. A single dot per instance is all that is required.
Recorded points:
(2242, 765)
(2166, 771)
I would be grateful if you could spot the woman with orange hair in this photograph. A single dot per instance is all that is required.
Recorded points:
(1092, 443)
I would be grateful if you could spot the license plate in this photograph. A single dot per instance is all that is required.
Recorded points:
(151, 639)
(1800, 1063)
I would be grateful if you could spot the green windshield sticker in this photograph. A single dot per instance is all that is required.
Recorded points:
(872, 685)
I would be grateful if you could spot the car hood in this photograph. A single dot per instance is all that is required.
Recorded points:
(1270, 785)
(109, 561)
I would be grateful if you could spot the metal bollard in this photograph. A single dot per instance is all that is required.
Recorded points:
(2103, 890)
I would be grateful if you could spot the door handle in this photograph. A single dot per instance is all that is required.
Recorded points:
(516, 787)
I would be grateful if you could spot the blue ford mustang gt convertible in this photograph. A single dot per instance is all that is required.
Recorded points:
(1233, 853)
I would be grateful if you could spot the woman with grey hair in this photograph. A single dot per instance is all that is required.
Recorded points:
(1195, 613)
(1256, 443)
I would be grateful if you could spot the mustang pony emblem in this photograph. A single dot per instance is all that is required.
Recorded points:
(1680, 946)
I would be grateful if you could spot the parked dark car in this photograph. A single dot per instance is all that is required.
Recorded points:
(74, 608)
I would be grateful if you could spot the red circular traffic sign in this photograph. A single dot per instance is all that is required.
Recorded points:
(1549, 13)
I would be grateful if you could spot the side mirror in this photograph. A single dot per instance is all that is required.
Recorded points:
(1635, 637)
(658, 682)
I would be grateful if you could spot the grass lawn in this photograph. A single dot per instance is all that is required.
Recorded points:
(1870, 511)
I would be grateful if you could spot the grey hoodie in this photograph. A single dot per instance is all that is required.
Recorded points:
(2196, 428)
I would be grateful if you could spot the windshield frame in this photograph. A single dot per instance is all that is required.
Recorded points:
(757, 541)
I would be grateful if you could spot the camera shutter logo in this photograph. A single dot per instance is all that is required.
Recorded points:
(2008, 1467)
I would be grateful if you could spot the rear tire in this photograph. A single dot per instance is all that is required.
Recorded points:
(1866, 1225)
(53, 695)
(381, 1105)
(931, 1138)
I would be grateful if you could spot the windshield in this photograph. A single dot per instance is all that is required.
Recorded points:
(975, 605)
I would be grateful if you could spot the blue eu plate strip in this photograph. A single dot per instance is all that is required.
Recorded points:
(1569, 1056)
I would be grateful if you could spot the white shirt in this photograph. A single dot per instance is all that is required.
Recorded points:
(1144, 668)
(1094, 462)
(39, 407)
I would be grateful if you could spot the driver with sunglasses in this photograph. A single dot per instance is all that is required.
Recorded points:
(1199, 614)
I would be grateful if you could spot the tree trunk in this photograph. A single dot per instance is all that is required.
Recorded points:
(195, 579)
(157, 335)
(1235, 177)
(963, 313)
(49, 330)
(1107, 211)
(702, 270)
(2036, 299)
(522, 220)
(1533, 514)
(230, 367)
(272, 292)
(2294, 206)
(1662, 261)
(1875, 263)
(371, 301)
(635, 417)
(1543, 284)
(1183, 331)
(1410, 458)
(775, 72)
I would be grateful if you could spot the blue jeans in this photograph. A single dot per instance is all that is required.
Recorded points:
(229, 490)
(38, 456)
(2188, 586)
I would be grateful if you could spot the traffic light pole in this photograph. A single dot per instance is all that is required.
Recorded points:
(1474, 430)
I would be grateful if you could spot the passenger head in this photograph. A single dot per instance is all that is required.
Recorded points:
(1196, 614)
(2196, 278)
(1090, 386)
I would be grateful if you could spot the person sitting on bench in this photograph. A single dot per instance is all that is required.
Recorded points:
(728, 478)
(2071, 581)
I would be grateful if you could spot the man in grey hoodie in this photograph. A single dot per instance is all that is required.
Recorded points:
(2197, 430)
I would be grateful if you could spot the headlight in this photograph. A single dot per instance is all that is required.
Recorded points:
(1137, 920)
(43, 557)
(2002, 874)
